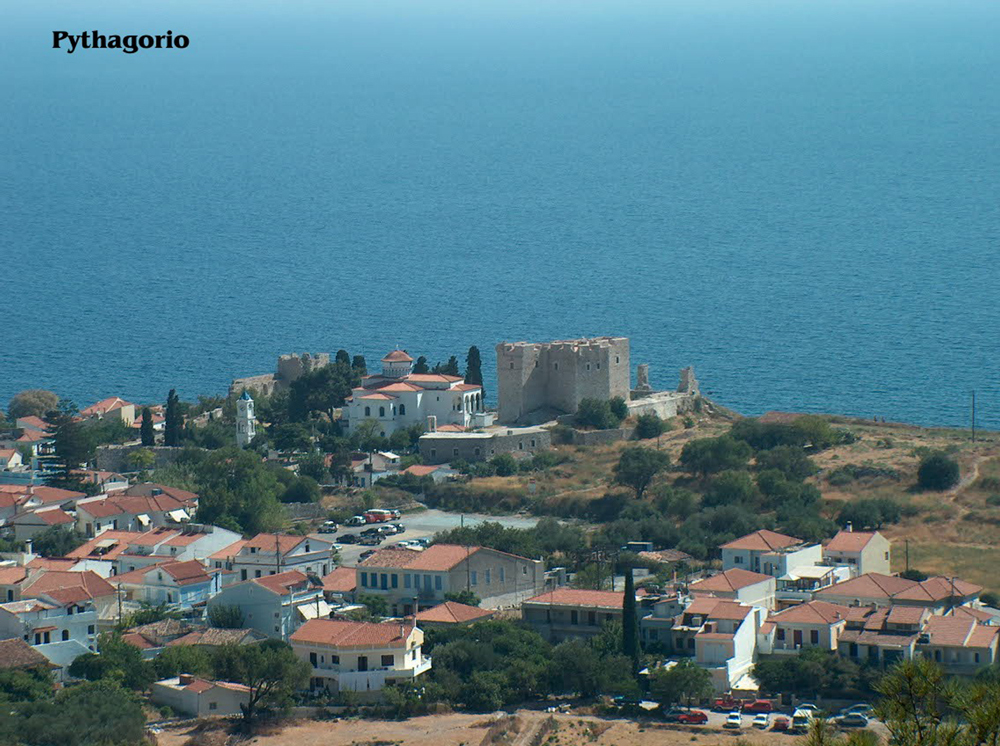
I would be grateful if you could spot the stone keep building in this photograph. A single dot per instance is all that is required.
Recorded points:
(551, 378)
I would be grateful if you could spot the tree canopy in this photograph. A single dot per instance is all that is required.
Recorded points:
(32, 403)
(637, 466)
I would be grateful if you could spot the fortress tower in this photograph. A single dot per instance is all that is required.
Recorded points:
(552, 378)
(246, 422)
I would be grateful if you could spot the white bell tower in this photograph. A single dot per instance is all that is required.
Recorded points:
(245, 421)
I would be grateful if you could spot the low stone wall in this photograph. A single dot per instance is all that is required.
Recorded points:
(304, 511)
(115, 458)
(664, 404)
(601, 437)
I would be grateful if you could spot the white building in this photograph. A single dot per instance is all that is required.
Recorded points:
(360, 657)
(275, 605)
(188, 695)
(770, 553)
(862, 551)
(743, 586)
(270, 554)
(726, 644)
(179, 584)
(61, 630)
(397, 398)
(246, 427)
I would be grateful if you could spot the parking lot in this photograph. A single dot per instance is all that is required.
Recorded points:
(418, 525)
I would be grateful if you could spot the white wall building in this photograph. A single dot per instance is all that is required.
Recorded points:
(360, 657)
(397, 398)
(274, 605)
(270, 554)
(246, 421)
(188, 695)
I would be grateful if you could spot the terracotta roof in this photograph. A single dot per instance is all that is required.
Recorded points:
(340, 634)
(134, 638)
(267, 542)
(231, 551)
(730, 610)
(666, 555)
(850, 541)
(579, 597)
(729, 581)
(120, 539)
(763, 541)
(146, 489)
(451, 612)
(813, 612)
(32, 422)
(702, 606)
(104, 406)
(12, 575)
(906, 615)
(340, 580)
(466, 387)
(397, 356)
(420, 470)
(55, 516)
(880, 639)
(186, 573)
(31, 436)
(869, 585)
(977, 614)
(6, 453)
(49, 495)
(378, 397)
(432, 378)
(439, 557)
(400, 386)
(16, 653)
(983, 636)
(52, 563)
(949, 631)
(55, 584)
(282, 582)
(450, 427)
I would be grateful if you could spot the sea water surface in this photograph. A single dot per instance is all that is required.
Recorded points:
(799, 199)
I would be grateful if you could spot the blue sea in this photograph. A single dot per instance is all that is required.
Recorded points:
(801, 199)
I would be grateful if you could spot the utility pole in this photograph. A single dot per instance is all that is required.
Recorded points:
(907, 546)
(277, 554)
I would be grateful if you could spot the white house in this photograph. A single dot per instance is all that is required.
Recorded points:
(28, 525)
(862, 551)
(196, 697)
(274, 605)
(726, 642)
(61, 630)
(397, 398)
(815, 624)
(770, 553)
(10, 459)
(270, 554)
(360, 657)
(180, 584)
(744, 586)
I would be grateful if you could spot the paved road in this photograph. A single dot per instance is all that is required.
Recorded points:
(424, 523)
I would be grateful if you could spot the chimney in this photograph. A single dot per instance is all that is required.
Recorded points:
(432, 423)
(184, 679)
(849, 528)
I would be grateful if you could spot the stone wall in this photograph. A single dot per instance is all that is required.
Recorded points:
(557, 375)
(287, 369)
(115, 458)
(664, 404)
(601, 437)
(440, 448)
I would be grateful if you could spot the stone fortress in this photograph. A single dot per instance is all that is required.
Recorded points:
(289, 368)
(538, 382)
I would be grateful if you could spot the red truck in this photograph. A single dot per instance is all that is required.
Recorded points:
(380, 515)
(726, 703)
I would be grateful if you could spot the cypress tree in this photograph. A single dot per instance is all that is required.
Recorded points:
(359, 366)
(630, 625)
(451, 369)
(172, 424)
(421, 365)
(146, 431)
(474, 368)
(343, 357)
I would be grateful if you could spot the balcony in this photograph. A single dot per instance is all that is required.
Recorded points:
(370, 680)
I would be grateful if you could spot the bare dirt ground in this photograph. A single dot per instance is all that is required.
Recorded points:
(459, 729)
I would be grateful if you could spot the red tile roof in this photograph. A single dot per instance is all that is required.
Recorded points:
(813, 612)
(397, 356)
(340, 580)
(432, 378)
(231, 551)
(763, 541)
(32, 422)
(120, 539)
(400, 386)
(730, 610)
(439, 557)
(339, 634)
(378, 397)
(267, 542)
(16, 653)
(49, 495)
(579, 597)
(49, 516)
(451, 612)
(420, 470)
(87, 584)
(729, 581)
(104, 406)
(850, 541)
(12, 575)
(951, 631)
(282, 582)
(147, 489)
(877, 586)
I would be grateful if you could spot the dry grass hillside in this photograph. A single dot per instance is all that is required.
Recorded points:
(949, 533)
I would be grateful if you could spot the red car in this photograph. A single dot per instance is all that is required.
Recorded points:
(726, 704)
(694, 717)
(780, 724)
(758, 706)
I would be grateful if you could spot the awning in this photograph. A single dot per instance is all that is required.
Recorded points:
(143, 519)
(746, 683)
(309, 610)
(178, 516)
(106, 543)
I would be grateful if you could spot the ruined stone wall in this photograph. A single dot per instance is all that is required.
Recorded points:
(254, 384)
(292, 366)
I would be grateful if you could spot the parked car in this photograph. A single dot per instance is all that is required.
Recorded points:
(397, 527)
(693, 717)
(802, 719)
(366, 554)
(762, 720)
(672, 715)
(780, 724)
(758, 706)
(327, 529)
(861, 709)
(726, 703)
(373, 531)
(347, 539)
(852, 720)
(372, 540)
(356, 520)
(734, 721)
(423, 541)
(807, 706)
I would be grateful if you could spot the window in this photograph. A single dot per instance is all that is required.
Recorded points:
(402, 409)
(520, 446)
(502, 574)
(434, 453)
(381, 411)
(512, 366)
(437, 582)
(532, 442)
(555, 366)
(780, 634)
(243, 574)
(385, 581)
(524, 569)
(364, 580)
(592, 618)
(488, 577)
(395, 580)
(887, 555)
(312, 659)
(617, 360)
(476, 450)
(368, 411)
(90, 629)
(574, 617)
(599, 367)
(454, 451)
(388, 660)
(474, 578)
(256, 573)
(335, 659)
(738, 559)
(814, 637)
(588, 366)
(427, 582)
(406, 581)
(213, 705)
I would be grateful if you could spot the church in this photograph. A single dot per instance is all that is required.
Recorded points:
(397, 398)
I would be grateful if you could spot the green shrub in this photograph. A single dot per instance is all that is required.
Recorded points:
(937, 472)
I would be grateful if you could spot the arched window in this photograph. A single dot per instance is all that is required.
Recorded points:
(381, 411)
(402, 409)
(368, 411)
